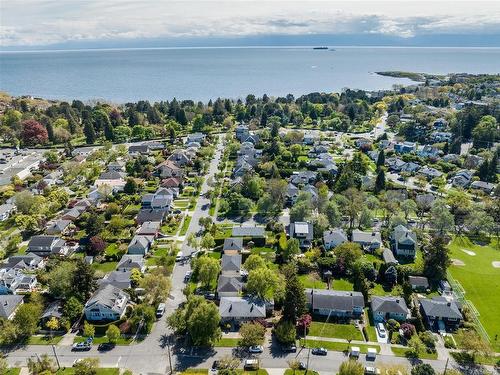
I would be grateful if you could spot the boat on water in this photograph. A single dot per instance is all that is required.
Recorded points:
(320, 47)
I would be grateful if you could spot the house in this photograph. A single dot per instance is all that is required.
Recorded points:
(428, 151)
(242, 132)
(71, 214)
(116, 166)
(58, 227)
(229, 286)
(16, 281)
(303, 177)
(232, 245)
(292, 193)
(405, 147)
(302, 231)
(241, 309)
(30, 262)
(418, 283)
(118, 279)
(161, 199)
(473, 161)
(248, 231)
(367, 240)
(404, 242)
(462, 178)
(130, 261)
(171, 182)
(47, 245)
(334, 237)
(149, 214)
(444, 288)
(429, 172)
(9, 305)
(440, 123)
(142, 149)
(310, 138)
(107, 303)
(140, 245)
(53, 310)
(394, 164)
(385, 308)
(6, 210)
(169, 169)
(486, 187)
(242, 167)
(410, 167)
(114, 180)
(363, 143)
(149, 228)
(196, 137)
(440, 314)
(438, 136)
(388, 257)
(335, 303)
(231, 264)
(180, 158)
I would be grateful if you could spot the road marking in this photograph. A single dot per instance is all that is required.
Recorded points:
(119, 359)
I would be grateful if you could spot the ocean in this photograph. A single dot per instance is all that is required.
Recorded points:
(123, 75)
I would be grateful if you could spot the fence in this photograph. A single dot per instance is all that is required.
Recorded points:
(459, 293)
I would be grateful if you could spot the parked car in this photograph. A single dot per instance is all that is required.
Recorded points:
(302, 366)
(105, 346)
(381, 330)
(369, 370)
(81, 347)
(215, 365)
(187, 276)
(289, 348)
(319, 351)
(256, 349)
(251, 364)
(160, 310)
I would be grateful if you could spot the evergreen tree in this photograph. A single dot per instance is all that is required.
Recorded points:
(109, 133)
(88, 130)
(381, 159)
(294, 305)
(380, 181)
(83, 284)
(181, 117)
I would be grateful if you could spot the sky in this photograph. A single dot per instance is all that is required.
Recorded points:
(109, 23)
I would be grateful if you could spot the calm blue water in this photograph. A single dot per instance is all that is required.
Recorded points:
(201, 74)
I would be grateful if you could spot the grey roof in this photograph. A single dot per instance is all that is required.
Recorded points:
(242, 307)
(418, 281)
(359, 236)
(404, 236)
(229, 284)
(233, 244)
(334, 299)
(139, 241)
(53, 310)
(389, 305)
(111, 297)
(440, 308)
(334, 235)
(151, 215)
(149, 227)
(389, 257)
(58, 226)
(129, 261)
(5, 208)
(248, 231)
(119, 279)
(22, 261)
(112, 175)
(231, 263)
(43, 241)
(303, 228)
(8, 304)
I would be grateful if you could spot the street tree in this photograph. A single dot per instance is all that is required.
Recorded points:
(351, 367)
(113, 334)
(157, 287)
(207, 269)
(252, 334)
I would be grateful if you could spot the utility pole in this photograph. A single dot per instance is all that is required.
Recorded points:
(446, 366)
(57, 358)
(169, 356)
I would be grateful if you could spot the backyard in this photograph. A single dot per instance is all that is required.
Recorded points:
(475, 269)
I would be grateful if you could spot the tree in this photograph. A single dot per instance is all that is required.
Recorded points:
(72, 309)
(436, 259)
(351, 367)
(83, 283)
(416, 347)
(291, 250)
(94, 224)
(113, 333)
(408, 206)
(265, 283)
(252, 334)
(208, 269)
(353, 204)
(27, 317)
(202, 321)
(486, 132)
(391, 275)
(89, 131)
(52, 324)
(253, 262)
(88, 329)
(87, 366)
(346, 255)
(380, 181)
(33, 133)
(442, 219)
(142, 318)
(380, 159)
(41, 365)
(207, 242)
(131, 186)
(474, 345)
(332, 212)
(294, 304)
(422, 369)
(157, 288)
(285, 332)
(96, 246)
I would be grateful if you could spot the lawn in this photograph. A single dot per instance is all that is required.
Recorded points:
(185, 226)
(227, 342)
(112, 249)
(404, 352)
(480, 280)
(340, 331)
(312, 281)
(339, 346)
(342, 284)
(289, 371)
(195, 371)
(104, 339)
(44, 340)
(13, 371)
(105, 267)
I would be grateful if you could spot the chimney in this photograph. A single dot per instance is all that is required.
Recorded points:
(449, 303)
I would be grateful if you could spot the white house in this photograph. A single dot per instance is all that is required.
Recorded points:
(107, 303)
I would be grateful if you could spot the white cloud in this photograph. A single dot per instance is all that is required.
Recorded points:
(44, 22)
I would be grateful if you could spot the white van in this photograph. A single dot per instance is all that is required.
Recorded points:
(251, 364)
(371, 354)
(179, 256)
(354, 352)
(381, 330)
(160, 310)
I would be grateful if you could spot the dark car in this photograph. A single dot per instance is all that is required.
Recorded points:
(105, 346)
(302, 366)
(289, 348)
(81, 347)
(215, 365)
(319, 351)
(205, 206)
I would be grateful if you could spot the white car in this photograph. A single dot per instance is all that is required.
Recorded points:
(381, 330)
(256, 349)
(372, 370)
